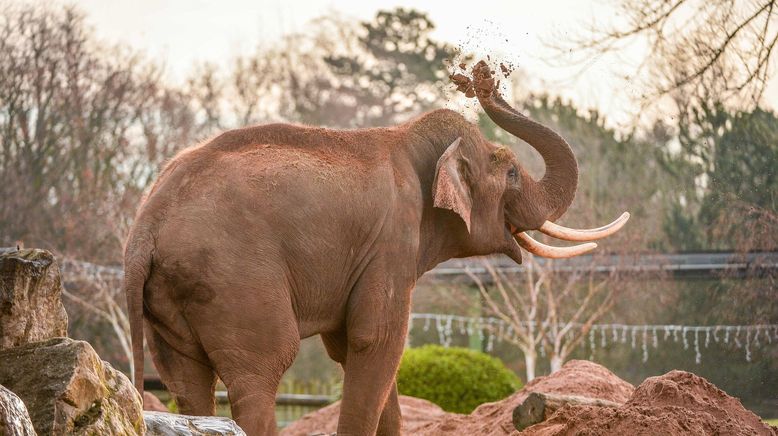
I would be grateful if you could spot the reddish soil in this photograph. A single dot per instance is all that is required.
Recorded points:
(577, 377)
(152, 403)
(677, 403)
(482, 80)
(416, 412)
(420, 417)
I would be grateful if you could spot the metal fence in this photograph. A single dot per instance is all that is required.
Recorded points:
(294, 399)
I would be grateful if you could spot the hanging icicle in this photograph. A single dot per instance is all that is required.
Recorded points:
(591, 340)
(737, 338)
(490, 330)
(449, 330)
(441, 332)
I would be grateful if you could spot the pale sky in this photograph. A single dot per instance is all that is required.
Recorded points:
(182, 32)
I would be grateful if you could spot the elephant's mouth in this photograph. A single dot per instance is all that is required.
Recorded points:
(525, 241)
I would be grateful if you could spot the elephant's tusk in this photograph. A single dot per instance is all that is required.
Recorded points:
(584, 235)
(541, 249)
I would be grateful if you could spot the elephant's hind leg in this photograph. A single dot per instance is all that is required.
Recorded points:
(250, 353)
(191, 382)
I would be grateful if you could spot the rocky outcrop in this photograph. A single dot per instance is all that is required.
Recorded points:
(30, 306)
(14, 419)
(69, 390)
(168, 424)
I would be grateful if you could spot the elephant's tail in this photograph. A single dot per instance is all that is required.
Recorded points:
(137, 264)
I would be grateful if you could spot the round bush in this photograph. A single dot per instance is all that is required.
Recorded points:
(456, 379)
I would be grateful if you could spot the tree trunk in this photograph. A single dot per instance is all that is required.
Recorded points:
(538, 407)
(556, 362)
(530, 361)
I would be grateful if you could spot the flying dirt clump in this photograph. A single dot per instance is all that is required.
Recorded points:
(482, 81)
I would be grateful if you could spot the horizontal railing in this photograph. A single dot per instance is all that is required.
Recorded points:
(282, 399)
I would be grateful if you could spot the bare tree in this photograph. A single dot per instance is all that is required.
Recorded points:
(84, 127)
(518, 305)
(98, 292)
(545, 306)
(721, 49)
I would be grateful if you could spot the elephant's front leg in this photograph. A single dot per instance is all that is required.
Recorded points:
(376, 328)
(390, 422)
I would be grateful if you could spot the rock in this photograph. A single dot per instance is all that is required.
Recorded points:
(30, 306)
(14, 419)
(169, 424)
(152, 404)
(69, 390)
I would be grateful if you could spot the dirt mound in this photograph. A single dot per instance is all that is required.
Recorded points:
(420, 417)
(416, 412)
(577, 377)
(677, 403)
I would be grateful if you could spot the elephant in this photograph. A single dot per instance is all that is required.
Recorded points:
(266, 235)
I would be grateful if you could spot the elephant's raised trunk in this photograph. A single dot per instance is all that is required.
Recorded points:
(560, 181)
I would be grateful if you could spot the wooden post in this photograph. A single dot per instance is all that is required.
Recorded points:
(539, 406)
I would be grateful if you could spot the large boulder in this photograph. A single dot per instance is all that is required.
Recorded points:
(14, 419)
(69, 390)
(168, 424)
(30, 306)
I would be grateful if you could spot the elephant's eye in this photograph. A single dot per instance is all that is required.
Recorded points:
(512, 173)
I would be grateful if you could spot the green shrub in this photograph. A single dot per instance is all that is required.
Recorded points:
(456, 379)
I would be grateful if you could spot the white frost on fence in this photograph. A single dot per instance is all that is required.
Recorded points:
(647, 335)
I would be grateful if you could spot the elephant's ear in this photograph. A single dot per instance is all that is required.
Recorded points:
(449, 189)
